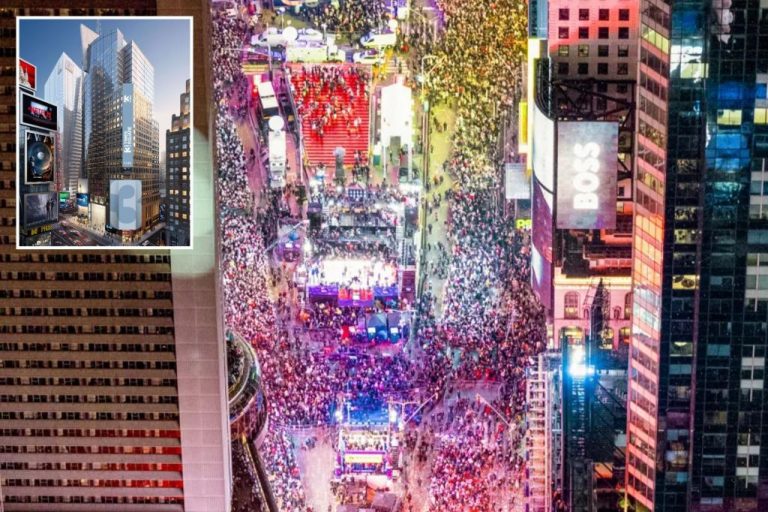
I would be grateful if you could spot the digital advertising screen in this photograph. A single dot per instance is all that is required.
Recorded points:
(38, 113)
(40, 208)
(27, 75)
(586, 174)
(541, 251)
(39, 157)
(125, 204)
(63, 197)
(82, 200)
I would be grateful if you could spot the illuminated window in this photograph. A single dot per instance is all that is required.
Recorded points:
(563, 50)
(729, 117)
(583, 50)
(571, 305)
(623, 51)
(761, 116)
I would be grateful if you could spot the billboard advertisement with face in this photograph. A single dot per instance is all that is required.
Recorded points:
(38, 113)
(40, 208)
(39, 157)
(586, 174)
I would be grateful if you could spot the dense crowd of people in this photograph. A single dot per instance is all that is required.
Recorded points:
(489, 324)
(350, 18)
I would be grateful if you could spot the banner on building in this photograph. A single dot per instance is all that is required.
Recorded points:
(125, 204)
(127, 120)
(40, 208)
(586, 174)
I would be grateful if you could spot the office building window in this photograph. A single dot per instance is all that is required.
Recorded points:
(583, 50)
(562, 32)
(562, 68)
(622, 68)
(602, 33)
(564, 14)
(623, 51)
(603, 15)
(571, 305)
(583, 68)
(602, 50)
(602, 68)
(584, 14)
(623, 32)
(623, 14)
(583, 32)
(563, 50)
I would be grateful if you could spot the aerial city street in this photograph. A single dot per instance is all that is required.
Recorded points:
(397, 256)
(370, 263)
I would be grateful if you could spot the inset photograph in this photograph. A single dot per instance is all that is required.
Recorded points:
(104, 132)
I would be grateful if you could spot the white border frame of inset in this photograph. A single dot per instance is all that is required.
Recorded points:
(18, 125)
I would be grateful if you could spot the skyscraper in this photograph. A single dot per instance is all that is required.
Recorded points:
(120, 134)
(64, 88)
(112, 370)
(697, 402)
(581, 93)
(177, 159)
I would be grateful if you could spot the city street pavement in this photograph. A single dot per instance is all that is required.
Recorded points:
(316, 466)
(440, 150)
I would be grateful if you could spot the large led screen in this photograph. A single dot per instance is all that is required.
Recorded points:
(541, 237)
(39, 157)
(40, 208)
(125, 204)
(38, 113)
(586, 174)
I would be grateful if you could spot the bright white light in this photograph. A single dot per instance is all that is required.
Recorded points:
(339, 415)
(307, 246)
(392, 415)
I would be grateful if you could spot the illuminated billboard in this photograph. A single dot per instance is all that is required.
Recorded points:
(82, 200)
(39, 157)
(41, 208)
(127, 119)
(38, 113)
(27, 75)
(541, 250)
(516, 184)
(125, 204)
(586, 174)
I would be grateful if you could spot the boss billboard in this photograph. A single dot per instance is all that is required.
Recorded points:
(38, 113)
(586, 174)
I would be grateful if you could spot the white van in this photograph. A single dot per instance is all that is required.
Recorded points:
(379, 39)
(270, 37)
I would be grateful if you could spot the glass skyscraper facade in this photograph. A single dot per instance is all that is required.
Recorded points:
(118, 73)
(64, 88)
(696, 391)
